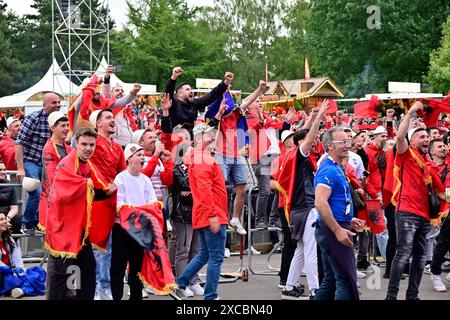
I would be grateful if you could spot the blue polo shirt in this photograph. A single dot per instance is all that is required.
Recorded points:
(333, 177)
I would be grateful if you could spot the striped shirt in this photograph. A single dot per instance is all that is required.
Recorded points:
(33, 136)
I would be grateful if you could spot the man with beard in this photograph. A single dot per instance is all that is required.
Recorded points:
(109, 160)
(184, 107)
(7, 152)
(414, 174)
(69, 224)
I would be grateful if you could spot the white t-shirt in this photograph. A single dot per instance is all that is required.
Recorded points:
(356, 162)
(132, 190)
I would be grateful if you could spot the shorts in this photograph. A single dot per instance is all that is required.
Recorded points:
(233, 170)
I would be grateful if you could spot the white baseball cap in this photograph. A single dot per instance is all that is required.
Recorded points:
(137, 135)
(54, 117)
(30, 184)
(93, 117)
(10, 121)
(412, 131)
(379, 129)
(286, 134)
(131, 149)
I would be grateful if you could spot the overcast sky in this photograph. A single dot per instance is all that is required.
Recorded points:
(117, 7)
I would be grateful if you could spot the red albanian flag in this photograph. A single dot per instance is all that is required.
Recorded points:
(145, 225)
(434, 108)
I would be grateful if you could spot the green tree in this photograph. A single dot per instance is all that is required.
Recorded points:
(252, 27)
(162, 34)
(11, 69)
(439, 74)
(364, 60)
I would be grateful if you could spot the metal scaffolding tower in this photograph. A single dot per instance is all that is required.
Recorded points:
(76, 25)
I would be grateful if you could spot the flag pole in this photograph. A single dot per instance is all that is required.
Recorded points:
(267, 73)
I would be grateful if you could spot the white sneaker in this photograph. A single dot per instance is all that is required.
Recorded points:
(237, 226)
(144, 293)
(448, 277)
(188, 293)
(17, 293)
(360, 274)
(437, 283)
(197, 289)
(254, 251)
(427, 269)
(227, 253)
(97, 294)
(148, 291)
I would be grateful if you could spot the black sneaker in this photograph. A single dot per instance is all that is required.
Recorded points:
(300, 288)
(274, 225)
(292, 295)
(282, 284)
(27, 229)
(362, 265)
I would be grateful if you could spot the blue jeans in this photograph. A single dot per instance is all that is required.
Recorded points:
(212, 249)
(102, 271)
(383, 238)
(30, 215)
(333, 285)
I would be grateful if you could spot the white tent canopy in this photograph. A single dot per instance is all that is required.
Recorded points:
(53, 81)
(146, 89)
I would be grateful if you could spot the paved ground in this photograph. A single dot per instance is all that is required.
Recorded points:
(264, 287)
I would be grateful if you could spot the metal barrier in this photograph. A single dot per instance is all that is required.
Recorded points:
(271, 271)
(23, 239)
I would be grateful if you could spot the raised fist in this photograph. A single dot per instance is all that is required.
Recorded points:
(176, 72)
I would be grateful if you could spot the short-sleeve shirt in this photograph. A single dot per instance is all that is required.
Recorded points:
(332, 176)
(33, 136)
(303, 197)
(413, 194)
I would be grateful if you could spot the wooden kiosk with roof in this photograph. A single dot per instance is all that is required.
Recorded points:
(303, 93)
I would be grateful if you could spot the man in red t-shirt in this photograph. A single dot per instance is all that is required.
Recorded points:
(412, 168)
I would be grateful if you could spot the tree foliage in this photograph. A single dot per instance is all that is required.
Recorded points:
(439, 74)
(243, 36)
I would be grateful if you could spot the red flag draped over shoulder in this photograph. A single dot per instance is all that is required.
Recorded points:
(430, 174)
(285, 182)
(88, 105)
(69, 207)
(145, 225)
(51, 158)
